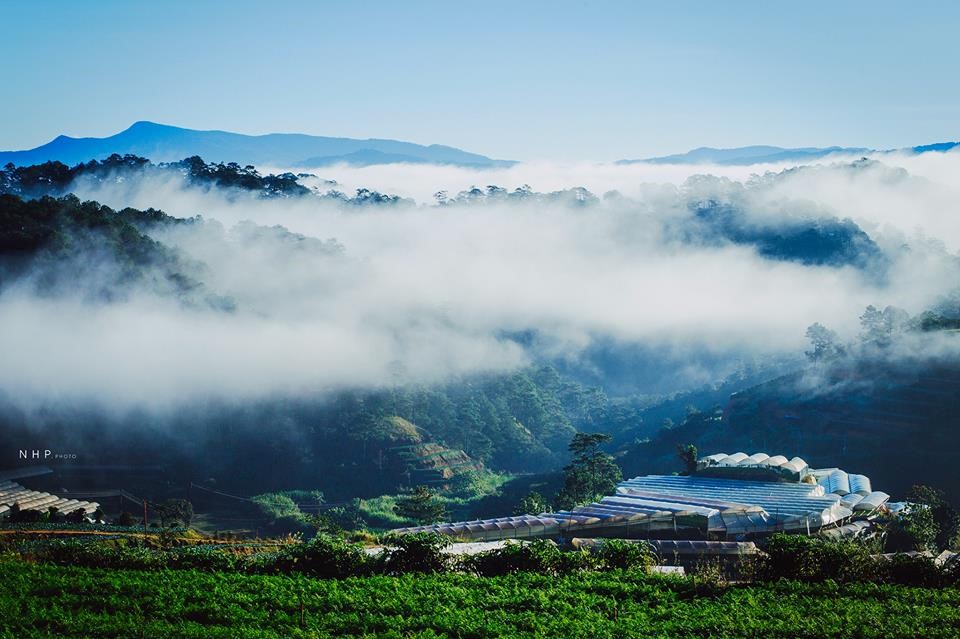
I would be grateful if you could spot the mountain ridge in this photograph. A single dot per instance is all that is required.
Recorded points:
(165, 143)
(759, 154)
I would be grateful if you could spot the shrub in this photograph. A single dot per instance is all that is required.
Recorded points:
(324, 556)
(288, 525)
(540, 556)
(617, 554)
(174, 512)
(533, 504)
(709, 575)
(814, 559)
(100, 555)
(915, 529)
(206, 559)
(418, 552)
(951, 573)
(277, 505)
(338, 519)
(126, 519)
(910, 571)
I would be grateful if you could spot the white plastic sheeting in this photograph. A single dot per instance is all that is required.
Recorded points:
(13, 493)
(836, 482)
(860, 484)
(722, 505)
(897, 507)
(873, 501)
(679, 547)
(786, 505)
(776, 460)
(851, 500)
(795, 466)
(852, 530)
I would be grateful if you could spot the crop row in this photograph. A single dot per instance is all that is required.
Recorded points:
(48, 600)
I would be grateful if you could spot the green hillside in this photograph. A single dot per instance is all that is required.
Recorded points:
(899, 423)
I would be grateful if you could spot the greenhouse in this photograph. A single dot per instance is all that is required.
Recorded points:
(728, 497)
(13, 493)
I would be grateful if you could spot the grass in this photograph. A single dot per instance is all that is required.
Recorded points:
(56, 601)
(379, 514)
(460, 502)
(466, 492)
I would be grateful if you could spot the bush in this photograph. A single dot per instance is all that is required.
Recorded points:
(99, 555)
(915, 529)
(533, 504)
(814, 559)
(338, 519)
(708, 576)
(910, 571)
(288, 525)
(617, 554)
(174, 512)
(843, 561)
(277, 505)
(324, 556)
(206, 559)
(418, 552)
(126, 519)
(539, 556)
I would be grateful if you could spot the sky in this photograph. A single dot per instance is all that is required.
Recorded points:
(559, 80)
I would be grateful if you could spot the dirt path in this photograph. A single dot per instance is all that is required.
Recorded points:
(138, 535)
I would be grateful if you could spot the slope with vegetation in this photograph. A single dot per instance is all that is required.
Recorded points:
(888, 404)
(55, 179)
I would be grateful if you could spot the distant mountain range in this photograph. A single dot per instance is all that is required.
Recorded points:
(746, 155)
(163, 143)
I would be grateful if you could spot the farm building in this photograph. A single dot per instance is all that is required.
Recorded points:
(728, 497)
(13, 493)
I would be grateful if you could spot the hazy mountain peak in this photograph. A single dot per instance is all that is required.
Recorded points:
(165, 143)
(759, 154)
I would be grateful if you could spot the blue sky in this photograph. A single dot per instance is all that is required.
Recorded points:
(522, 80)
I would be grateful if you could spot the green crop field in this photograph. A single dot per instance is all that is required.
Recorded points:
(54, 601)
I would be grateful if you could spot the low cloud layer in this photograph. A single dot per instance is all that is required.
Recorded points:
(347, 296)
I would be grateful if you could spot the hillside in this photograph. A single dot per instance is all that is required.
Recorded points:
(63, 245)
(164, 143)
(899, 423)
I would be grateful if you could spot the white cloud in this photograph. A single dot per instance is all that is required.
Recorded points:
(422, 293)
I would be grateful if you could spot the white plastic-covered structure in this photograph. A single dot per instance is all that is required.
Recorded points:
(855, 529)
(727, 504)
(13, 493)
(679, 547)
(755, 466)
